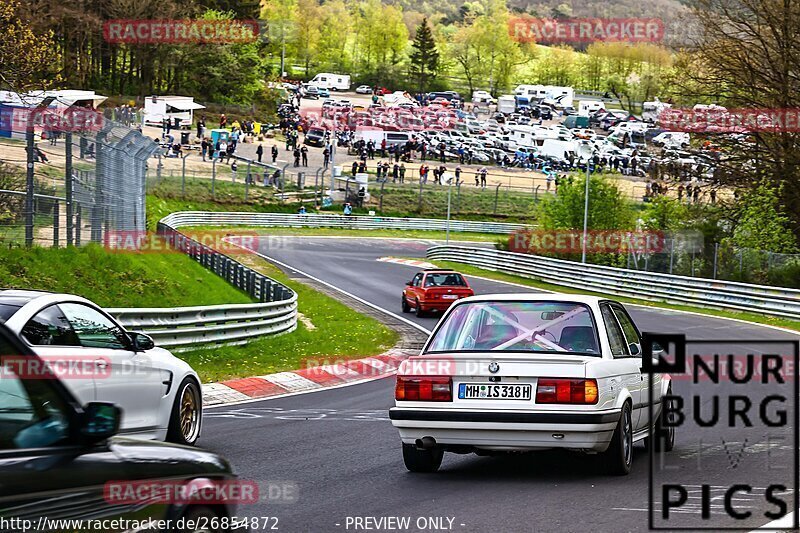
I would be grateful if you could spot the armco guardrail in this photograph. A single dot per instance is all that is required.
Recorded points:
(775, 301)
(228, 324)
(208, 218)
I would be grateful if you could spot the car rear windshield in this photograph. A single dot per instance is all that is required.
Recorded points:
(540, 326)
(445, 280)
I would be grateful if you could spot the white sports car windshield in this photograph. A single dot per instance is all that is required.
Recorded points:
(541, 326)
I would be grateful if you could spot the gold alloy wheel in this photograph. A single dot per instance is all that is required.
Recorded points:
(189, 413)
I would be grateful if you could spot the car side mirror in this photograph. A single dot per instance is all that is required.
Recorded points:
(141, 342)
(634, 348)
(100, 421)
(409, 283)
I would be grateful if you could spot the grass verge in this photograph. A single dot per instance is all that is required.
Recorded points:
(116, 279)
(337, 332)
(499, 276)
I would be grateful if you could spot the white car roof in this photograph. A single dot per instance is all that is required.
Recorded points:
(533, 297)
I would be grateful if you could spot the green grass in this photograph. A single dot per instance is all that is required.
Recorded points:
(340, 333)
(116, 279)
(165, 197)
(751, 317)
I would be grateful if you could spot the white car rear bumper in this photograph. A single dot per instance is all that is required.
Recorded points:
(507, 430)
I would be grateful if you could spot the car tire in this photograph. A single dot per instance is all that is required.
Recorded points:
(187, 414)
(201, 520)
(619, 455)
(418, 309)
(422, 461)
(406, 308)
(664, 436)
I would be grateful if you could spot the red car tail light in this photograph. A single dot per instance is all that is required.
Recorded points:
(424, 389)
(562, 390)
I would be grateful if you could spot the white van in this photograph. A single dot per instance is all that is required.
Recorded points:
(378, 136)
(671, 140)
(333, 82)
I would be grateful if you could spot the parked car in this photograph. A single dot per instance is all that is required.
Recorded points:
(363, 89)
(525, 372)
(672, 140)
(434, 290)
(159, 394)
(58, 455)
(311, 92)
(324, 92)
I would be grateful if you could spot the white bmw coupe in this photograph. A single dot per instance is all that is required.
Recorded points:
(99, 361)
(524, 372)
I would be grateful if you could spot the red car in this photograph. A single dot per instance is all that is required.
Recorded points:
(434, 290)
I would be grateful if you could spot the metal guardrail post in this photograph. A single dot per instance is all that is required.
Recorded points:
(78, 225)
(68, 184)
(29, 186)
(55, 224)
(247, 181)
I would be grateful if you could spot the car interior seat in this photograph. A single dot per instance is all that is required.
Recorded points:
(578, 339)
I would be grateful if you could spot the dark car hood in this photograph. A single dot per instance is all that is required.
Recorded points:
(168, 458)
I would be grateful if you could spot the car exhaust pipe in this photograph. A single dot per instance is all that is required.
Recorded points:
(426, 443)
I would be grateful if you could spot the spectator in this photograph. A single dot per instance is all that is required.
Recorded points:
(201, 127)
(297, 157)
(355, 168)
(234, 168)
(260, 151)
(348, 209)
(274, 153)
(326, 156)
(402, 172)
(483, 177)
(302, 210)
(304, 154)
(223, 121)
(395, 173)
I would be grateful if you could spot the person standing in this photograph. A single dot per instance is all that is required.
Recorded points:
(383, 148)
(458, 175)
(259, 151)
(204, 146)
(274, 153)
(223, 121)
(355, 168)
(483, 177)
(326, 156)
(234, 168)
(402, 172)
(201, 127)
(304, 154)
(395, 173)
(296, 157)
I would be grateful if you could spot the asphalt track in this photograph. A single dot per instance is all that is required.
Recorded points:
(339, 449)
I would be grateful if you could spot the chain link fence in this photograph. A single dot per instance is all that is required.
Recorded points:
(62, 187)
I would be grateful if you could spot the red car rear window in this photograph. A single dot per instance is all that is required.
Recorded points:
(445, 280)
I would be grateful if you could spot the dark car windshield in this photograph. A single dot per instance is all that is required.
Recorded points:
(445, 280)
(539, 326)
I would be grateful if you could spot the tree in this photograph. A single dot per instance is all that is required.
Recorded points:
(424, 56)
(26, 59)
(747, 55)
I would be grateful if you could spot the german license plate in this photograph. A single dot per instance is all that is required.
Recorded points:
(493, 391)
(449, 297)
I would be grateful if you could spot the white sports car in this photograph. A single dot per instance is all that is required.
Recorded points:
(99, 361)
(524, 372)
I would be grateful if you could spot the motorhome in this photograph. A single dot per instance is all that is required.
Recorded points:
(530, 135)
(652, 110)
(587, 107)
(333, 82)
(506, 104)
(482, 98)
(550, 94)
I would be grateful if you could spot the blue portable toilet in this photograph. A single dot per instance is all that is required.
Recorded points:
(219, 135)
